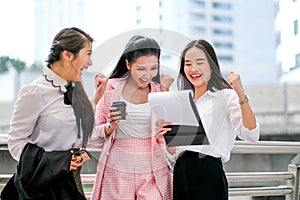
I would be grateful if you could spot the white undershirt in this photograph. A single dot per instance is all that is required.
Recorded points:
(137, 123)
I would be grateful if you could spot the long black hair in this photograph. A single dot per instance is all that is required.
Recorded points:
(136, 47)
(216, 81)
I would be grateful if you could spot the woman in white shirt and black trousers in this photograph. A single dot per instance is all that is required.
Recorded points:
(225, 113)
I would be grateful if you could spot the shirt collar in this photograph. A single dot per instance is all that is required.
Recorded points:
(210, 93)
(55, 80)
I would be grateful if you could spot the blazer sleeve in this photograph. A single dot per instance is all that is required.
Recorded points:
(98, 137)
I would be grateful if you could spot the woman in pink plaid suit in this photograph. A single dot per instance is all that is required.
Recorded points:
(132, 163)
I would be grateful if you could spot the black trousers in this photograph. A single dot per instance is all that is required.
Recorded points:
(199, 177)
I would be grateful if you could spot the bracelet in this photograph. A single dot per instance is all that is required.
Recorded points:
(245, 100)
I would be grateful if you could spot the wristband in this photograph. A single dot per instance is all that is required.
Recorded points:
(245, 100)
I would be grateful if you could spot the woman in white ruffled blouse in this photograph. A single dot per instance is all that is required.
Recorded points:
(53, 112)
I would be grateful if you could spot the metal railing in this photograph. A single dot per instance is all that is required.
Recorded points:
(278, 122)
(290, 177)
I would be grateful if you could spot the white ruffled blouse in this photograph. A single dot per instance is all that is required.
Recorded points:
(41, 117)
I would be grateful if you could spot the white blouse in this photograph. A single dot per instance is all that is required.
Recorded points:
(137, 123)
(221, 116)
(41, 117)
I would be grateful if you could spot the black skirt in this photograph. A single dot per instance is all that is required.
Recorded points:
(199, 177)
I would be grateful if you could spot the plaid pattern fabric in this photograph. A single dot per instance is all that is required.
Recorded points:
(158, 176)
(118, 185)
(129, 172)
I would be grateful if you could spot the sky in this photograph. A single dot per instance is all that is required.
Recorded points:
(17, 29)
(17, 33)
(17, 25)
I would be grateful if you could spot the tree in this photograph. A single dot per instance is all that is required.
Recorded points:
(5, 62)
(36, 66)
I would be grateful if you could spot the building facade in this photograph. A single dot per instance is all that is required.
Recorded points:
(242, 31)
(51, 17)
(287, 17)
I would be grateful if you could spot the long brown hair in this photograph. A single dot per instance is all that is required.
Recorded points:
(73, 40)
(70, 39)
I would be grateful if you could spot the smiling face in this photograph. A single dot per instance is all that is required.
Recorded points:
(143, 70)
(81, 62)
(196, 67)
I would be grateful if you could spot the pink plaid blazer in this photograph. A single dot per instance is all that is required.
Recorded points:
(113, 93)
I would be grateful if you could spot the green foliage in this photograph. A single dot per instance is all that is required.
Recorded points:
(36, 66)
(3, 67)
(6, 62)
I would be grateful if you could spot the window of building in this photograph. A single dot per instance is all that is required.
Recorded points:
(297, 61)
(225, 58)
(225, 19)
(138, 21)
(278, 38)
(222, 5)
(197, 16)
(277, 7)
(226, 32)
(223, 45)
(296, 27)
(198, 3)
(138, 8)
(198, 30)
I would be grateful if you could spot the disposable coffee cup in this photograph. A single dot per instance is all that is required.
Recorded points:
(121, 105)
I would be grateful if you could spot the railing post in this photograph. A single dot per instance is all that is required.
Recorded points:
(285, 103)
(294, 167)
